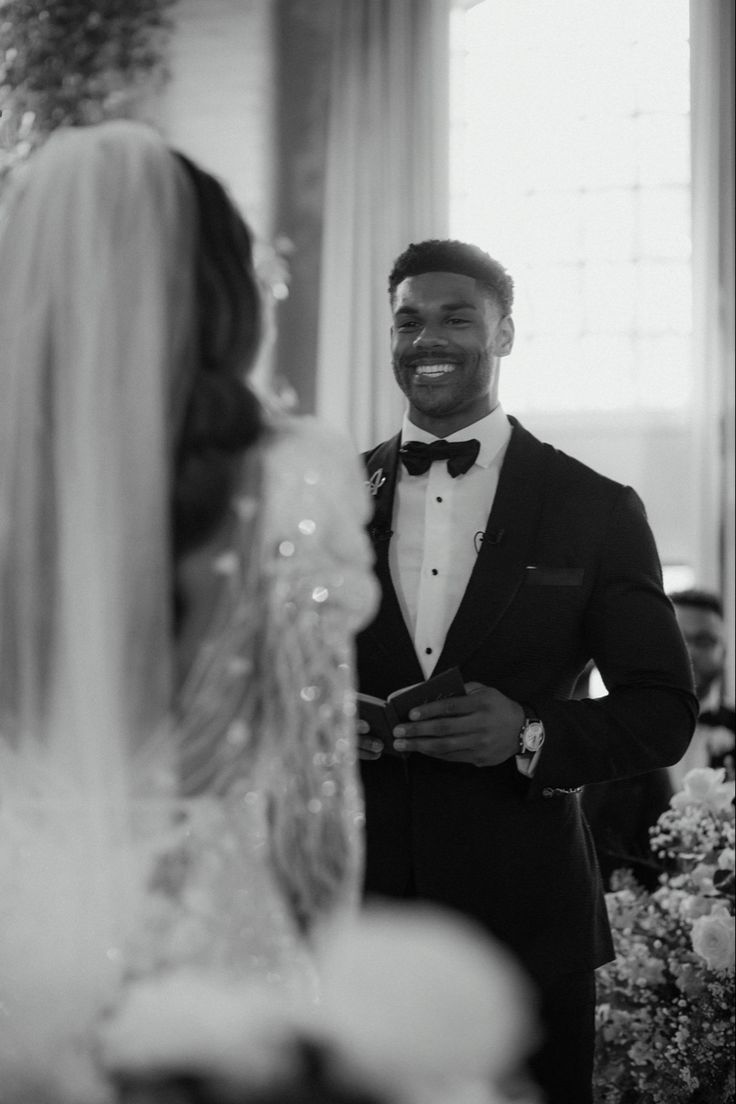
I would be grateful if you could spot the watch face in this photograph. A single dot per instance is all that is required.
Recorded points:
(534, 736)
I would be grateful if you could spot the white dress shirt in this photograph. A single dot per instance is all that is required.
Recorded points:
(438, 525)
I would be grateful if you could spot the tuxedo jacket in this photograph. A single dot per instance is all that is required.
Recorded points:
(567, 571)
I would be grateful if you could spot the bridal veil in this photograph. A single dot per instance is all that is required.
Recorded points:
(98, 320)
(96, 278)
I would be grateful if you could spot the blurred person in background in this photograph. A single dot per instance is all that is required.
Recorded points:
(621, 813)
(699, 614)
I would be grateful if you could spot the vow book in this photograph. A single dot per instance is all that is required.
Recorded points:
(383, 716)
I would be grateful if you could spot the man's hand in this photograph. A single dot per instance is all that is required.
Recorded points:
(369, 747)
(481, 728)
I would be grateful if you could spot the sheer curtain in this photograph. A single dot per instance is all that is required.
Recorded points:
(712, 53)
(386, 185)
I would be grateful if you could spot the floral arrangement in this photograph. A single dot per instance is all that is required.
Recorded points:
(666, 1004)
(70, 62)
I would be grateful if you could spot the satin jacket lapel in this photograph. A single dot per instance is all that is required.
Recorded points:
(507, 547)
(389, 631)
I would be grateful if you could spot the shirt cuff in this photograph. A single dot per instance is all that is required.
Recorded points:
(527, 765)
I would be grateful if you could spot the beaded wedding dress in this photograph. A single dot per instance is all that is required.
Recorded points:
(236, 876)
(164, 808)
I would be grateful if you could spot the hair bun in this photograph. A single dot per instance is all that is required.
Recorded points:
(222, 413)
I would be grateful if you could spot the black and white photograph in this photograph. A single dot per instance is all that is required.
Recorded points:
(367, 552)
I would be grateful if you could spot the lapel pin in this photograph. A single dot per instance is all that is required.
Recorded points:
(376, 481)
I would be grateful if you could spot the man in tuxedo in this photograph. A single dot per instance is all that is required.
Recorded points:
(700, 617)
(518, 564)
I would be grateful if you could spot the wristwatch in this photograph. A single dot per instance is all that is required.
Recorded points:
(531, 741)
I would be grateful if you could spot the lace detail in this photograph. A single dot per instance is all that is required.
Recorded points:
(266, 717)
(233, 878)
(213, 907)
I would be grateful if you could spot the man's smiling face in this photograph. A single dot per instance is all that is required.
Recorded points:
(446, 340)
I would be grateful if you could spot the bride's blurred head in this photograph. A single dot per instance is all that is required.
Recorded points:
(126, 260)
(130, 314)
(129, 318)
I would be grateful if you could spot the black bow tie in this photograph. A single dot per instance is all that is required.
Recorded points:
(460, 455)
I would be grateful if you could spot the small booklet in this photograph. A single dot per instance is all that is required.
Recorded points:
(383, 716)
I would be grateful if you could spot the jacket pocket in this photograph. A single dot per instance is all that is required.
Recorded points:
(554, 576)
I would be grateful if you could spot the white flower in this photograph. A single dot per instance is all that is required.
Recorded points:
(701, 878)
(714, 937)
(656, 1046)
(705, 786)
(695, 906)
(727, 859)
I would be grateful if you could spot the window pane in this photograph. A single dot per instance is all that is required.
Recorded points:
(610, 153)
(550, 297)
(664, 380)
(663, 149)
(610, 218)
(665, 299)
(610, 369)
(609, 297)
(570, 163)
(554, 227)
(665, 223)
(662, 81)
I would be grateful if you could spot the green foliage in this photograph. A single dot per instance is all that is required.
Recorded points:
(74, 62)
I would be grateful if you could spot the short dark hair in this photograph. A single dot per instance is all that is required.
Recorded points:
(454, 256)
(700, 599)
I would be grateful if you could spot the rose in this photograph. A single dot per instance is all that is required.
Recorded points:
(701, 878)
(694, 907)
(705, 786)
(714, 939)
(727, 859)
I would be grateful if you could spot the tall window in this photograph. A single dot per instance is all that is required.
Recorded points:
(570, 163)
